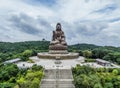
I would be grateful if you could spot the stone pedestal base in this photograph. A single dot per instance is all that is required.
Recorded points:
(58, 52)
(55, 56)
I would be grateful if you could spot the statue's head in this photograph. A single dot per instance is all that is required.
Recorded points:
(58, 27)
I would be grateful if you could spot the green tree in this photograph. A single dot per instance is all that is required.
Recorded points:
(35, 67)
(87, 53)
(100, 52)
(115, 72)
(108, 85)
(26, 54)
(35, 83)
(97, 85)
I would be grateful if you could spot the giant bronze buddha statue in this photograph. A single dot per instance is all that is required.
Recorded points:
(58, 43)
(58, 47)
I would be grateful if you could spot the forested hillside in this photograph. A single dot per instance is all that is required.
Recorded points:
(20, 49)
(21, 46)
(24, 50)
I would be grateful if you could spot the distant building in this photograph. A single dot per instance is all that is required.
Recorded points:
(12, 61)
(103, 62)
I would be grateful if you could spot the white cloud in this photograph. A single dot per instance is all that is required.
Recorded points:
(83, 21)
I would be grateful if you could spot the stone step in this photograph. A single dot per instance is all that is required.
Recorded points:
(63, 74)
(58, 81)
(57, 78)
(57, 86)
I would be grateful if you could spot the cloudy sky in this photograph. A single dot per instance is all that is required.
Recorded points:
(83, 21)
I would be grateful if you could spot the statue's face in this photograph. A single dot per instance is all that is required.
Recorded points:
(58, 27)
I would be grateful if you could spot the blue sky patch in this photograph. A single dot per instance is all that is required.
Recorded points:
(39, 2)
(107, 9)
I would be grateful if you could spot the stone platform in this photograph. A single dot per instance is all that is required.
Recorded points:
(58, 52)
(47, 55)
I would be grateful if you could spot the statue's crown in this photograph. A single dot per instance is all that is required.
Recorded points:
(58, 24)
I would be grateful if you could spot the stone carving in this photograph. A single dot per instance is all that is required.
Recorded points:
(58, 39)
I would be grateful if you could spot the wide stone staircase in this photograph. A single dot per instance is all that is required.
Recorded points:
(57, 78)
